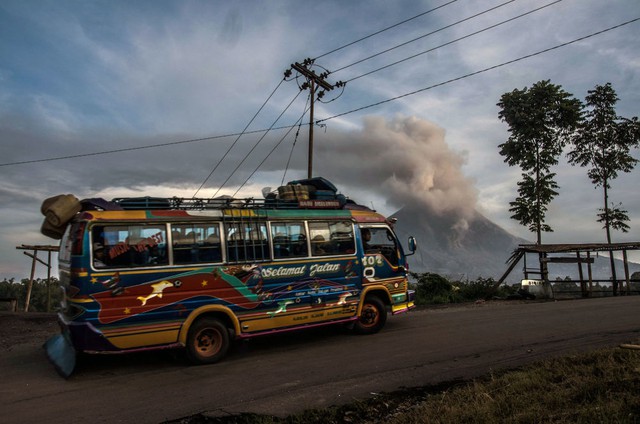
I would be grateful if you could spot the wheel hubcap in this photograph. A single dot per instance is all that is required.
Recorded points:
(369, 316)
(208, 342)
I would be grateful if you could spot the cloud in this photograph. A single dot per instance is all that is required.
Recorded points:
(407, 158)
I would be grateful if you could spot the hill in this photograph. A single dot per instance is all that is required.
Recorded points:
(477, 247)
(456, 248)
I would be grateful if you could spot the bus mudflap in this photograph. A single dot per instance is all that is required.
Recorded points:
(62, 354)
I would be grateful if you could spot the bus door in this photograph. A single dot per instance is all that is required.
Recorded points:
(335, 269)
(382, 256)
(285, 278)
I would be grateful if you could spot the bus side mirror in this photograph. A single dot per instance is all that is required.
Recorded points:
(413, 245)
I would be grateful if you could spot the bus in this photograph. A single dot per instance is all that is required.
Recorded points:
(154, 273)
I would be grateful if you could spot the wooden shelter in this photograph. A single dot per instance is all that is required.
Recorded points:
(573, 253)
(34, 259)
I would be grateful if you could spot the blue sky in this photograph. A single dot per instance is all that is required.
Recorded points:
(91, 76)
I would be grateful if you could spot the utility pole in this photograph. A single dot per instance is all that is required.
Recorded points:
(313, 80)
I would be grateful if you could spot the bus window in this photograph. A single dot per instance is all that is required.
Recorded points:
(380, 240)
(247, 241)
(331, 238)
(129, 246)
(71, 243)
(289, 240)
(196, 243)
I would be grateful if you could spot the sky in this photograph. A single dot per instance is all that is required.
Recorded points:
(150, 98)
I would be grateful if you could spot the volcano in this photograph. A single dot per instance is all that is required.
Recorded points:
(455, 248)
(462, 249)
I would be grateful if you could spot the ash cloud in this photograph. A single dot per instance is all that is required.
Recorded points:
(408, 160)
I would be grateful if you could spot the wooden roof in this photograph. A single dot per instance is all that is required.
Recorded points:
(580, 247)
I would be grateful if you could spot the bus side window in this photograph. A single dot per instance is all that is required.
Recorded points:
(247, 242)
(289, 240)
(331, 238)
(147, 245)
(127, 246)
(211, 250)
(196, 243)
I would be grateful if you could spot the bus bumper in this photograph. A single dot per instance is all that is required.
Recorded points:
(404, 305)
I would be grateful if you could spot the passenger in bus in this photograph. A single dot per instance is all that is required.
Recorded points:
(366, 238)
(211, 251)
(299, 244)
(98, 255)
(318, 245)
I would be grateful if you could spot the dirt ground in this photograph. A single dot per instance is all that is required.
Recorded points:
(26, 328)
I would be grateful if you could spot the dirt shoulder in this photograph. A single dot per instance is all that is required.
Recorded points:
(26, 328)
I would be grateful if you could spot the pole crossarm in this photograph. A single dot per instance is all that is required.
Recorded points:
(38, 247)
(310, 75)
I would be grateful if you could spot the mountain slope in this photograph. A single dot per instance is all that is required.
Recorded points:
(478, 247)
(456, 248)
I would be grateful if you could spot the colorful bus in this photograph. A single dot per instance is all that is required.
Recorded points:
(198, 274)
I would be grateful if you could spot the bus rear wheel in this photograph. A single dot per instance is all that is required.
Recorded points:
(373, 316)
(207, 341)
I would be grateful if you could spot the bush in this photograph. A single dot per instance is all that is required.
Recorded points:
(481, 288)
(40, 292)
(435, 289)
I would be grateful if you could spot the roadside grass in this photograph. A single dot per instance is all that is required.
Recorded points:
(597, 387)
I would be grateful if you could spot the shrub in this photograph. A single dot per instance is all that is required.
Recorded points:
(41, 293)
(435, 289)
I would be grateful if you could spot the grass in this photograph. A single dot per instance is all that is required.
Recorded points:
(598, 387)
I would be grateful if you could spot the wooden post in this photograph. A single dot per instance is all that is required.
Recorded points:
(583, 285)
(310, 158)
(590, 274)
(49, 281)
(30, 285)
(626, 270)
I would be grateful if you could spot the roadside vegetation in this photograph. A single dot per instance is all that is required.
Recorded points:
(434, 289)
(45, 295)
(596, 387)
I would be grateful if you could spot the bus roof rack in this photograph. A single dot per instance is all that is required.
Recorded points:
(182, 203)
(311, 193)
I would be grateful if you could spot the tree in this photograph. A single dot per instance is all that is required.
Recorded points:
(604, 141)
(541, 120)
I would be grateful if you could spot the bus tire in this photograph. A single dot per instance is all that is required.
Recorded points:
(207, 341)
(372, 317)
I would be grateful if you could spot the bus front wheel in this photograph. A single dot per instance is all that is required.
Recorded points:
(207, 341)
(373, 316)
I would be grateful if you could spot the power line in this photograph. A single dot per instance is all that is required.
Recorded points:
(195, 140)
(293, 146)
(298, 123)
(424, 36)
(126, 149)
(454, 41)
(236, 140)
(149, 146)
(255, 145)
(480, 71)
(385, 29)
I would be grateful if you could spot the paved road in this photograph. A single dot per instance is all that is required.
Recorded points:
(286, 374)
